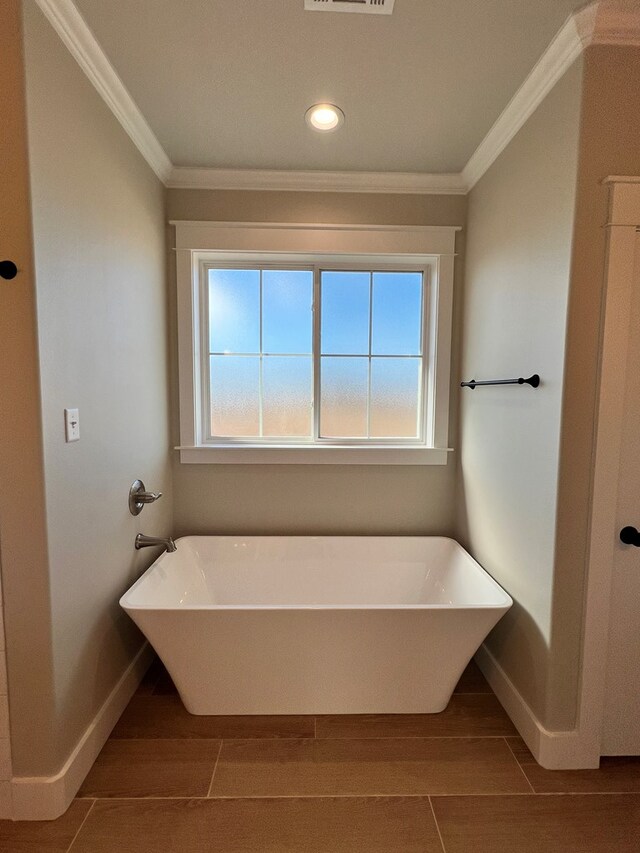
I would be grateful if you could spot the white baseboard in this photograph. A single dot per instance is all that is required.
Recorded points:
(555, 750)
(48, 797)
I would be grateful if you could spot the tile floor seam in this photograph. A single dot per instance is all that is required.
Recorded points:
(385, 737)
(353, 795)
(543, 794)
(325, 796)
(215, 767)
(372, 796)
(82, 823)
(176, 739)
(355, 737)
(522, 770)
(435, 820)
(322, 737)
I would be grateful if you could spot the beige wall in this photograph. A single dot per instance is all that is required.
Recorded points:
(98, 232)
(344, 208)
(23, 548)
(352, 499)
(609, 145)
(521, 217)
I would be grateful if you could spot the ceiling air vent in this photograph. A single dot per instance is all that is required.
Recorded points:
(367, 7)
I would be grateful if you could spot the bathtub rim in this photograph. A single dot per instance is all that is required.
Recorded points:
(504, 605)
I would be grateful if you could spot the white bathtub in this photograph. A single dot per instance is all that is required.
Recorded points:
(315, 625)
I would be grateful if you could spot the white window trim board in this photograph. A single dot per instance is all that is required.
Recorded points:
(315, 238)
(336, 455)
(432, 246)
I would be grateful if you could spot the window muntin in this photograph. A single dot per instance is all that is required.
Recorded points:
(352, 371)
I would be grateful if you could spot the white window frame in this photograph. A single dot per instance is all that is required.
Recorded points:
(430, 249)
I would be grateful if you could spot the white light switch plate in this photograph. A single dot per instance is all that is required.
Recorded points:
(72, 424)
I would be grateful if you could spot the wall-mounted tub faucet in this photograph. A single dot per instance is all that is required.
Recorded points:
(143, 541)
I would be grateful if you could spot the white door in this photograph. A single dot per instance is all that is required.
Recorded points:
(621, 729)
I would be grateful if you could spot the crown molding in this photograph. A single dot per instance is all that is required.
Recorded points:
(565, 48)
(76, 35)
(418, 183)
(604, 22)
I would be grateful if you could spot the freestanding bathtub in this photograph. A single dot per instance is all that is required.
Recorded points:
(314, 624)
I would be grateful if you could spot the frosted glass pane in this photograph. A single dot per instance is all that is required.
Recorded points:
(397, 313)
(234, 311)
(235, 397)
(344, 384)
(287, 325)
(345, 313)
(287, 392)
(394, 397)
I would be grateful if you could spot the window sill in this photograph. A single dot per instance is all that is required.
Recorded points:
(329, 455)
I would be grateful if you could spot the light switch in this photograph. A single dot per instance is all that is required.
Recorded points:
(71, 424)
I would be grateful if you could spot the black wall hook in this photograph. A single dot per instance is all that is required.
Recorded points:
(8, 269)
(534, 381)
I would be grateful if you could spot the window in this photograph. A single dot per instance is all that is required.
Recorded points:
(298, 356)
(271, 373)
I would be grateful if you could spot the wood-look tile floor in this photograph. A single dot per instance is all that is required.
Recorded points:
(457, 782)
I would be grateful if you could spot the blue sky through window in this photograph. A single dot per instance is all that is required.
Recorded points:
(261, 340)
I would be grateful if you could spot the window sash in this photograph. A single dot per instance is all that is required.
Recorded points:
(315, 439)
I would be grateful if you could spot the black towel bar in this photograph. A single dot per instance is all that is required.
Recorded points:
(534, 381)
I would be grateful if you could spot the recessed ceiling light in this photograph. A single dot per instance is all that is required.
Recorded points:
(324, 117)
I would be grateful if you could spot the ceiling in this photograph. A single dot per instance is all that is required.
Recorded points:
(225, 83)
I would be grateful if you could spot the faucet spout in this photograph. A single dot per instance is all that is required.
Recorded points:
(143, 541)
